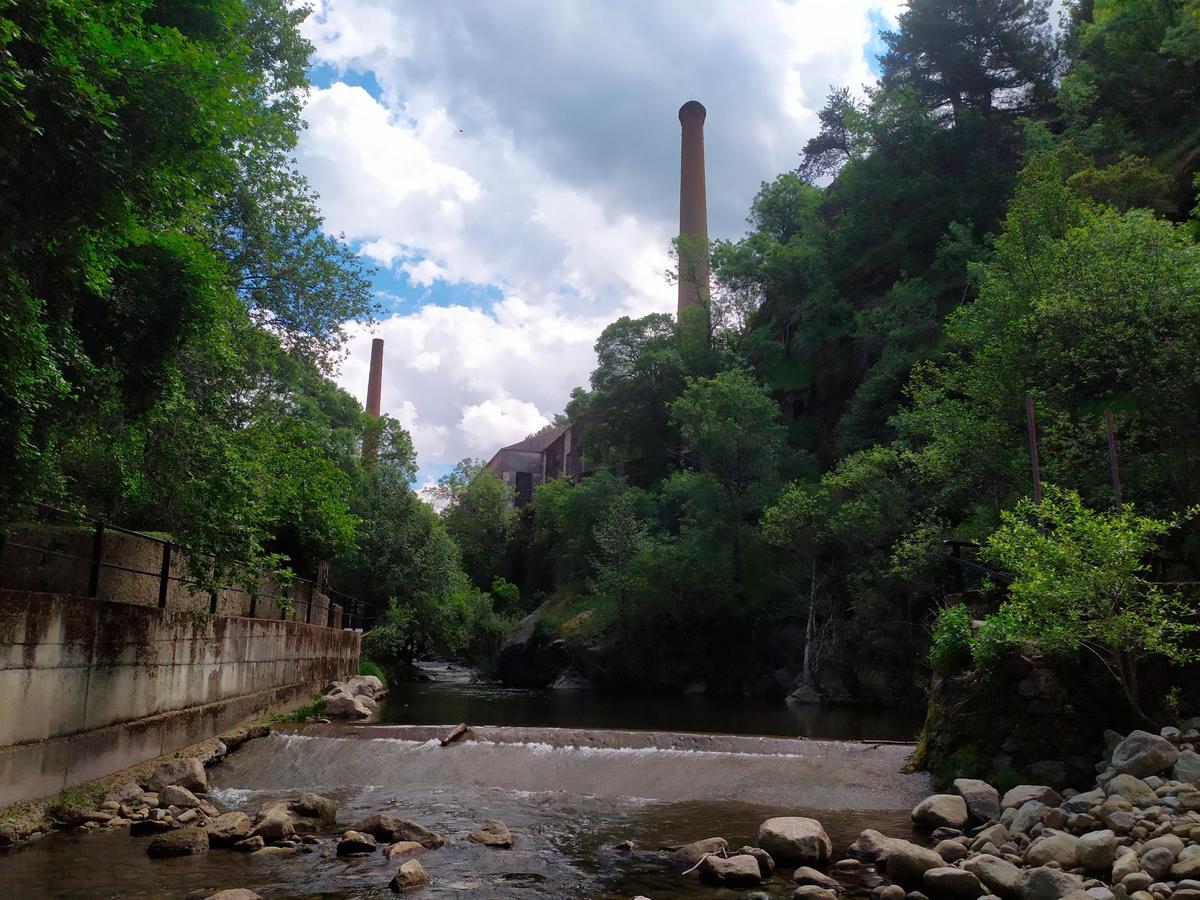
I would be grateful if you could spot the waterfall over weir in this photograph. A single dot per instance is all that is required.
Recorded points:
(630, 765)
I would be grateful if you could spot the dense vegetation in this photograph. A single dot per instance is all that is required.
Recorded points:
(1007, 214)
(171, 305)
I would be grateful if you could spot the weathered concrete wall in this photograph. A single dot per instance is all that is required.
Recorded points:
(89, 687)
(61, 564)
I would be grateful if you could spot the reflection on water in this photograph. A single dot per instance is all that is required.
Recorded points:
(441, 703)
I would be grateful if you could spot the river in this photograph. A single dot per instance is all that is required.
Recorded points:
(550, 765)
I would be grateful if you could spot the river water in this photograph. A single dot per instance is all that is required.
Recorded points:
(569, 788)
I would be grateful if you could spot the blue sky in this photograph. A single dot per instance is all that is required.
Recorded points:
(512, 172)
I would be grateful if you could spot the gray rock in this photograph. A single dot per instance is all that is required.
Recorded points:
(1171, 842)
(872, 846)
(1054, 846)
(1187, 868)
(941, 810)
(997, 875)
(1096, 850)
(1132, 789)
(182, 842)
(175, 795)
(273, 822)
(127, 793)
(250, 844)
(411, 875)
(795, 839)
(229, 828)
(315, 807)
(356, 842)
(888, 892)
(1028, 815)
(809, 875)
(683, 858)
(1137, 881)
(234, 894)
(983, 800)
(949, 883)
(186, 771)
(1143, 753)
(812, 892)
(494, 833)
(1023, 793)
(952, 850)
(390, 830)
(907, 863)
(1044, 883)
(1084, 803)
(731, 871)
(1187, 768)
(345, 706)
(766, 865)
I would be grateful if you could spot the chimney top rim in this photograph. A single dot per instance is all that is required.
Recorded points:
(693, 109)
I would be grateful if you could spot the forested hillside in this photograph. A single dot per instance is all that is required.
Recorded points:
(1011, 212)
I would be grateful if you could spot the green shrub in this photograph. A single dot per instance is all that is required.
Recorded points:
(314, 710)
(991, 649)
(366, 667)
(950, 651)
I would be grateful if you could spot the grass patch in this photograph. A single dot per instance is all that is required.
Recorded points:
(309, 713)
(71, 804)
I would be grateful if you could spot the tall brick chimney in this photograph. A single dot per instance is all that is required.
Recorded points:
(370, 447)
(693, 208)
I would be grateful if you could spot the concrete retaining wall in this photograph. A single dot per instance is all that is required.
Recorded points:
(89, 687)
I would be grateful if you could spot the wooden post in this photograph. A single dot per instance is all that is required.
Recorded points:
(164, 575)
(97, 556)
(1112, 456)
(1031, 420)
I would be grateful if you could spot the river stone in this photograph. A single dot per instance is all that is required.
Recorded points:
(273, 822)
(733, 871)
(402, 848)
(149, 826)
(345, 706)
(411, 875)
(1133, 789)
(127, 793)
(354, 842)
(888, 892)
(983, 800)
(1185, 869)
(250, 844)
(1187, 768)
(1054, 846)
(809, 875)
(813, 892)
(1096, 850)
(997, 875)
(1085, 802)
(175, 795)
(267, 852)
(186, 772)
(229, 828)
(1172, 842)
(182, 842)
(1017, 797)
(234, 894)
(313, 806)
(1028, 815)
(795, 839)
(1143, 753)
(941, 810)
(766, 865)
(493, 833)
(951, 884)
(390, 830)
(952, 850)
(908, 862)
(683, 858)
(872, 846)
(1044, 883)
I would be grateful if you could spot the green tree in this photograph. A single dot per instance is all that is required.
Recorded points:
(481, 521)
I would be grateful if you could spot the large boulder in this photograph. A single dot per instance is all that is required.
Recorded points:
(766, 865)
(1187, 768)
(181, 842)
(532, 655)
(186, 771)
(949, 883)
(229, 828)
(411, 875)
(997, 875)
(1018, 796)
(683, 858)
(273, 823)
(1045, 883)
(1054, 846)
(948, 810)
(1132, 789)
(356, 842)
(1143, 753)
(313, 807)
(983, 800)
(345, 706)
(809, 875)
(391, 830)
(128, 793)
(731, 871)
(907, 863)
(873, 846)
(796, 840)
(494, 833)
(176, 795)
(1096, 850)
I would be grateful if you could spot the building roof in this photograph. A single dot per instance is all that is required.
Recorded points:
(536, 443)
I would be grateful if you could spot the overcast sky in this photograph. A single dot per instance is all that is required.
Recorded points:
(512, 170)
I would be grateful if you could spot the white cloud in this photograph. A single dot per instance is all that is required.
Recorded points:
(533, 146)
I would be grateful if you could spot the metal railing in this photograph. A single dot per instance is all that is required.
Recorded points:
(352, 616)
(965, 565)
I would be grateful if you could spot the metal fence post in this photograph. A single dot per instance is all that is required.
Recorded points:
(97, 555)
(164, 575)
